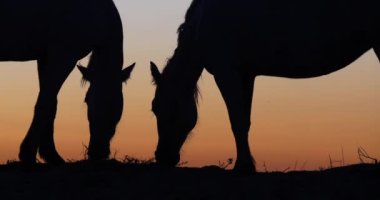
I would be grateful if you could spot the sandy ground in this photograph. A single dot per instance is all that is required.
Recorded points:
(115, 180)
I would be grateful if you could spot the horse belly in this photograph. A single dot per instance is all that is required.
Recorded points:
(308, 62)
(21, 54)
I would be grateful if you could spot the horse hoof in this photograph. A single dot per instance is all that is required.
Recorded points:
(96, 158)
(164, 166)
(26, 158)
(52, 158)
(27, 163)
(244, 169)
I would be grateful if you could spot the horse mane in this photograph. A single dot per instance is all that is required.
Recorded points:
(187, 30)
(187, 34)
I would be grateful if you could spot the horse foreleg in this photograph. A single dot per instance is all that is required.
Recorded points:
(237, 94)
(51, 74)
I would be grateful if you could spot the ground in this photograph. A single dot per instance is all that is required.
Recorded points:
(118, 180)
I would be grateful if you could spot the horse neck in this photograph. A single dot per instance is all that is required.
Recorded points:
(106, 64)
(181, 74)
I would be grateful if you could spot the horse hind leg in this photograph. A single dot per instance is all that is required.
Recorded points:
(40, 134)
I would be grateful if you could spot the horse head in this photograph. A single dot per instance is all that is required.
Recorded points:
(104, 101)
(175, 109)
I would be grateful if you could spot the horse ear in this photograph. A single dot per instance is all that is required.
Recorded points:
(155, 73)
(126, 73)
(85, 73)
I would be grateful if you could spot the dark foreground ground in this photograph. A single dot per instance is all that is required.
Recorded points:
(116, 180)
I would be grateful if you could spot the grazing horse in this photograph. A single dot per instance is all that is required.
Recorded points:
(57, 34)
(237, 41)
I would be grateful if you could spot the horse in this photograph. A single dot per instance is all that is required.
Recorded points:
(236, 41)
(58, 34)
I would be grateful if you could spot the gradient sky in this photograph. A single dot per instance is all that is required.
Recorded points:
(295, 123)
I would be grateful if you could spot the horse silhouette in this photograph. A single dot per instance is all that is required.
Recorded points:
(57, 34)
(237, 41)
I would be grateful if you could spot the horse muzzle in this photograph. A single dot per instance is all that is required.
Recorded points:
(167, 159)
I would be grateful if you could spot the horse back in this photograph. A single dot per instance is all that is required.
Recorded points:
(31, 28)
(22, 26)
(292, 38)
(311, 38)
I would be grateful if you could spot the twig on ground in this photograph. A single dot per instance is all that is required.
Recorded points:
(286, 170)
(304, 165)
(362, 154)
(224, 165)
(84, 151)
(342, 152)
(331, 162)
(114, 155)
(131, 160)
(265, 167)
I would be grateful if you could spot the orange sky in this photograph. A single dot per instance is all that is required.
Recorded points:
(293, 121)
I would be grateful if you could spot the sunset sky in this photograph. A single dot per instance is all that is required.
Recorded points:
(295, 123)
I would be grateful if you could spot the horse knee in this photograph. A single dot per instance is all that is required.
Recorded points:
(45, 107)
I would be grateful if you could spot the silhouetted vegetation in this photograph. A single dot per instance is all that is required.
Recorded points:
(142, 179)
